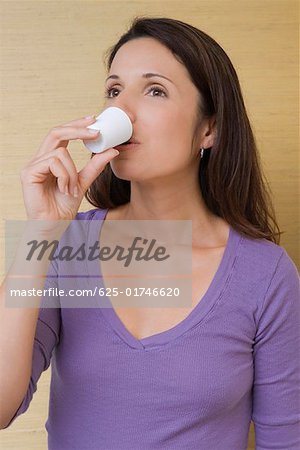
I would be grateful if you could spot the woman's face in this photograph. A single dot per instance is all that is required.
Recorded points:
(163, 110)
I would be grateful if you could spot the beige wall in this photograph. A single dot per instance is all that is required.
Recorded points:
(51, 72)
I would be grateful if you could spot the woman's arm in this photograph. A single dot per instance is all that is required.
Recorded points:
(276, 389)
(27, 335)
(52, 191)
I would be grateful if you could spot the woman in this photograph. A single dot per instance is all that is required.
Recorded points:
(168, 378)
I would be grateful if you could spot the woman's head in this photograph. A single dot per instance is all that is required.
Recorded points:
(155, 89)
(203, 107)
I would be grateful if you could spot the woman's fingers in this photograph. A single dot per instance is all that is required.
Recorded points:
(60, 164)
(52, 171)
(64, 156)
(94, 167)
(39, 171)
(61, 135)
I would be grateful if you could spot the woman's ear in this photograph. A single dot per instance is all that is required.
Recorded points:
(207, 132)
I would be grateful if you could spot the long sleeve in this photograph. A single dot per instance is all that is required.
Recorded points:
(45, 340)
(47, 333)
(276, 396)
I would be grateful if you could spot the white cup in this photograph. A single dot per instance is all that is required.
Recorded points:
(115, 128)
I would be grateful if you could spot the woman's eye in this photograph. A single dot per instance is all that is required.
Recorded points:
(161, 93)
(157, 89)
(109, 91)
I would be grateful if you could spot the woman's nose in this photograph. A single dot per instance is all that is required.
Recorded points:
(124, 104)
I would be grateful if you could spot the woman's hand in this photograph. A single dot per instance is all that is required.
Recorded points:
(52, 188)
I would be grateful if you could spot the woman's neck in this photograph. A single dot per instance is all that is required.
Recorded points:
(208, 229)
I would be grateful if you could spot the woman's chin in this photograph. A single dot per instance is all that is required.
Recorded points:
(127, 173)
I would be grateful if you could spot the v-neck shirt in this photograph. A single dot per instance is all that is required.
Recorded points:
(201, 309)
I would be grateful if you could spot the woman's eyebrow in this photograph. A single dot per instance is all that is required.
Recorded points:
(145, 75)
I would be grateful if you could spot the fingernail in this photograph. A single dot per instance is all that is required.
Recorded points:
(90, 117)
(93, 131)
(116, 152)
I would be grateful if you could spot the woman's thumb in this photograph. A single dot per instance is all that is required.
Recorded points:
(94, 167)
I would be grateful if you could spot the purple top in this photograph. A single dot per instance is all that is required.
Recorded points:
(233, 359)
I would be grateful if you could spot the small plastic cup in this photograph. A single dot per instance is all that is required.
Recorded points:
(115, 128)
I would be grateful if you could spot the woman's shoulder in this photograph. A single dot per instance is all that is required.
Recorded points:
(263, 274)
(264, 258)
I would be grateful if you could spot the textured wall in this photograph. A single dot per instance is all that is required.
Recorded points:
(52, 72)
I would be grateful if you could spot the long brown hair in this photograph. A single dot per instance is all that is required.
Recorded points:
(231, 179)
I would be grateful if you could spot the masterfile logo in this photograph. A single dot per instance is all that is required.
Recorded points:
(84, 264)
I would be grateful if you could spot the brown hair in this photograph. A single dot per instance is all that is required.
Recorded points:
(230, 176)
